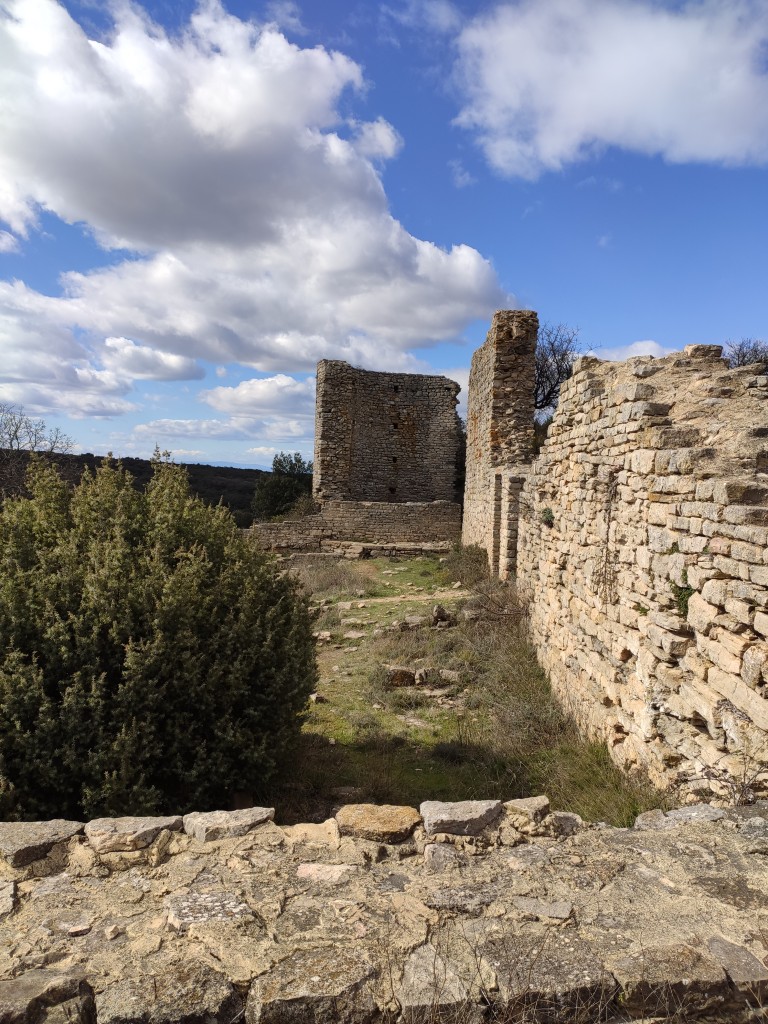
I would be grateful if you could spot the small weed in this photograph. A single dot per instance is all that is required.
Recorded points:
(682, 595)
(641, 609)
(547, 517)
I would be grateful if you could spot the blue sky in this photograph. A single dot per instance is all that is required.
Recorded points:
(199, 201)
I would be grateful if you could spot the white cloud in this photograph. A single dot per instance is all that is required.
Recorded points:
(268, 394)
(619, 353)
(435, 15)
(460, 175)
(549, 82)
(139, 362)
(8, 242)
(261, 235)
(286, 15)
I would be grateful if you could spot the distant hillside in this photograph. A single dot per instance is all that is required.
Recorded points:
(234, 487)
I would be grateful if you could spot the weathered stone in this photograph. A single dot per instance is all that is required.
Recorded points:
(378, 822)
(400, 675)
(430, 985)
(314, 985)
(465, 818)
(181, 992)
(7, 897)
(22, 842)
(330, 874)
(211, 826)
(441, 857)
(746, 972)
(539, 909)
(118, 835)
(24, 998)
(669, 979)
(528, 812)
(200, 907)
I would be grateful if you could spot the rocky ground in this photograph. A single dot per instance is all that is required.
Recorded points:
(458, 912)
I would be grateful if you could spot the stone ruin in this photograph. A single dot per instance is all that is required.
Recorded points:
(639, 536)
(387, 449)
(461, 913)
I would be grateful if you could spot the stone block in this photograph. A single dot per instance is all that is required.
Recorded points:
(119, 835)
(463, 818)
(22, 842)
(211, 826)
(381, 823)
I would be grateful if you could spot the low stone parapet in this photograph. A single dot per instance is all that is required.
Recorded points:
(462, 912)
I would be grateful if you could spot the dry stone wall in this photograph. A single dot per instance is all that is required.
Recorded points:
(499, 435)
(434, 524)
(384, 437)
(644, 549)
(466, 912)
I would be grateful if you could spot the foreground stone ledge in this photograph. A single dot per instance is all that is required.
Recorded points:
(522, 913)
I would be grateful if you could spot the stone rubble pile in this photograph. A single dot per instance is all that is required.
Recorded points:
(386, 914)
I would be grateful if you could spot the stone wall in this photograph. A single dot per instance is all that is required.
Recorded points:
(644, 550)
(499, 435)
(384, 437)
(373, 522)
(465, 912)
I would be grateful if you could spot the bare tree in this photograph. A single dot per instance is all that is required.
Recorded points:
(556, 350)
(19, 435)
(746, 352)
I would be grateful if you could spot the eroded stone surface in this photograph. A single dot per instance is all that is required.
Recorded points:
(210, 826)
(122, 835)
(22, 842)
(381, 823)
(298, 924)
(462, 818)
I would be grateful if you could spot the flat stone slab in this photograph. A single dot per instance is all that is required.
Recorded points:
(382, 823)
(314, 985)
(211, 826)
(464, 818)
(330, 874)
(532, 809)
(22, 842)
(122, 835)
(200, 907)
(662, 980)
(36, 989)
(181, 991)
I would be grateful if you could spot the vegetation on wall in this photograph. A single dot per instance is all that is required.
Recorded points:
(152, 659)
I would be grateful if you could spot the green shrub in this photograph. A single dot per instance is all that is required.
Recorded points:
(289, 483)
(151, 658)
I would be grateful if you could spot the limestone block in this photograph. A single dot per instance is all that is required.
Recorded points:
(701, 614)
(378, 822)
(463, 818)
(211, 826)
(117, 835)
(22, 842)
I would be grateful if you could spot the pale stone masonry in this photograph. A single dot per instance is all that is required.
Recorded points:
(384, 437)
(468, 912)
(643, 549)
(387, 447)
(499, 435)
(640, 539)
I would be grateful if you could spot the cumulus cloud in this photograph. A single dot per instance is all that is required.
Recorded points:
(139, 362)
(259, 227)
(8, 242)
(549, 82)
(280, 393)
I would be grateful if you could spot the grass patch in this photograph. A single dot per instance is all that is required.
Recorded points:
(493, 731)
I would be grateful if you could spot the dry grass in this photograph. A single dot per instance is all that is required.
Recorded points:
(497, 732)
